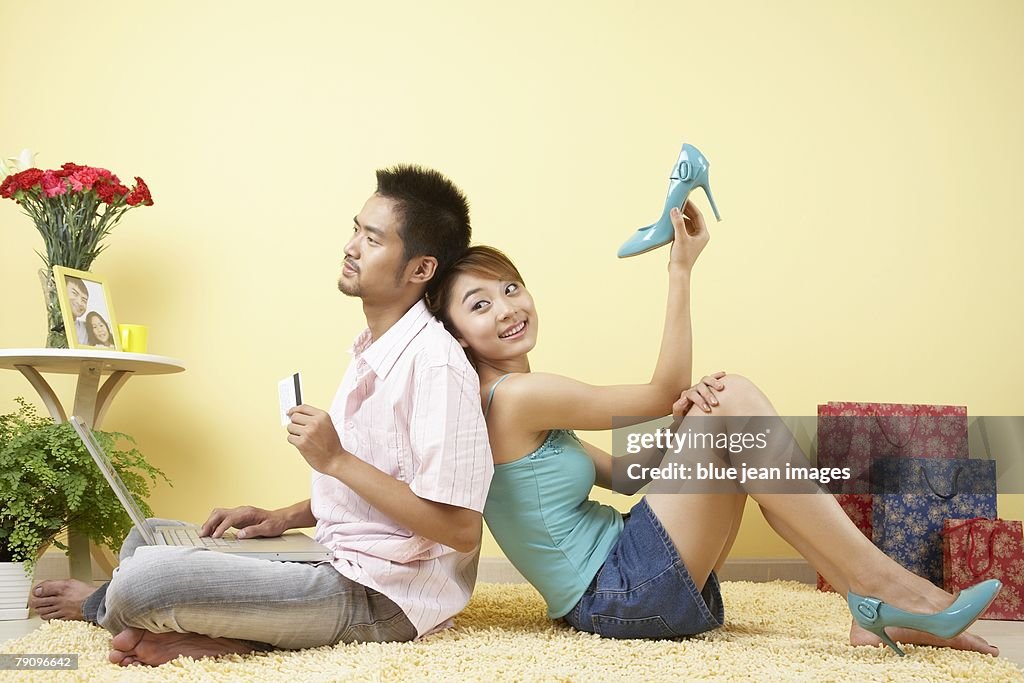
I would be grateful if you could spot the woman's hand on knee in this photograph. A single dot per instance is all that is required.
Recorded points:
(701, 394)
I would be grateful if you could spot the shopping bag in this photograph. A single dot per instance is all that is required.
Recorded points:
(852, 435)
(914, 497)
(978, 549)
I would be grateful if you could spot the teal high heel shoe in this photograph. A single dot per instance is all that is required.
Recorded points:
(874, 615)
(690, 171)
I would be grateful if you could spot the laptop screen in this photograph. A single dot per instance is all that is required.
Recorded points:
(99, 456)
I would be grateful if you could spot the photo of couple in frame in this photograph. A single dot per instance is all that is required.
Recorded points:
(87, 310)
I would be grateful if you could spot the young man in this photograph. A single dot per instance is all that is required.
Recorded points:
(78, 297)
(401, 469)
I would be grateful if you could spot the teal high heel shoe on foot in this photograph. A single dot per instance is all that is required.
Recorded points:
(874, 615)
(690, 171)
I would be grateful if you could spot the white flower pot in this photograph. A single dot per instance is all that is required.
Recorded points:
(14, 588)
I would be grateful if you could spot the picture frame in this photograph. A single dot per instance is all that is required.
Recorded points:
(87, 310)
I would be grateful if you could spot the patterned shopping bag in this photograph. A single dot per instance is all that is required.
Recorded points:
(978, 549)
(914, 497)
(857, 507)
(855, 434)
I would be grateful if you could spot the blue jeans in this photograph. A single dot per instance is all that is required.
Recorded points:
(644, 590)
(287, 605)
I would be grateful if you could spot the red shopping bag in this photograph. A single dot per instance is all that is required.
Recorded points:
(977, 549)
(855, 434)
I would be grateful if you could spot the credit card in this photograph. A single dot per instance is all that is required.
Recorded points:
(289, 393)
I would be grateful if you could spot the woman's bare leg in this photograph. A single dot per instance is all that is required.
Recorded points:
(702, 527)
(858, 636)
(814, 524)
(741, 504)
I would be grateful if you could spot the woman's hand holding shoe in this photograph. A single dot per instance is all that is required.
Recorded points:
(691, 236)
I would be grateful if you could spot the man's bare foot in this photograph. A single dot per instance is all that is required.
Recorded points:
(964, 641)
(136, 646)
(60, 599)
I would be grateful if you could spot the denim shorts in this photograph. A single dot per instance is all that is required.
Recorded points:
(644, 590)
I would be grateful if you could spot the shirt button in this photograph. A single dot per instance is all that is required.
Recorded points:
(350, 425)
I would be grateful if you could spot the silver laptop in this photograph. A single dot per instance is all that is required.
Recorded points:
(293, 546)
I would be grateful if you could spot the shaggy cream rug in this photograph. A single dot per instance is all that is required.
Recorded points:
(779, 631)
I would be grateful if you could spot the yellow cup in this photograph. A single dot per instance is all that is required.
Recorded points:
(134, 338)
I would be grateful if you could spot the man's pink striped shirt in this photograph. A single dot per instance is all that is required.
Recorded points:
(409, 405)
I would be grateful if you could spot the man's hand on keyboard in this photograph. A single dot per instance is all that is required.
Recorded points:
(251, 522)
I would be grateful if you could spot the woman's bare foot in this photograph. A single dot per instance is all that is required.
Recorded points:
(907, 592)
(136, 646)
(60, 599)
(964, 641)
(912, 593)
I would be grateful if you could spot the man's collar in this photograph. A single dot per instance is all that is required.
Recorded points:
(382, 354)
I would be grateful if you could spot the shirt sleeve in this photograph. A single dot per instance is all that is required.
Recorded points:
(451, 454)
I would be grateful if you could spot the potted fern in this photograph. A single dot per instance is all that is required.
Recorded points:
(48, 480)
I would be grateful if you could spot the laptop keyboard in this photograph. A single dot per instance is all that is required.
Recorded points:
(188, 536)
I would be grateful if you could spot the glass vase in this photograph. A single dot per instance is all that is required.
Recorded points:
(56, 337)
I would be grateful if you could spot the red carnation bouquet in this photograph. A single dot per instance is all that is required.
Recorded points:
(74, 208)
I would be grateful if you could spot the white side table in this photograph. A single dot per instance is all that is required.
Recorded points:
(91, 403)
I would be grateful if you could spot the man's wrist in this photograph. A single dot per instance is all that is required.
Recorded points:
(287, 516)
(294, 516)
(338, 465)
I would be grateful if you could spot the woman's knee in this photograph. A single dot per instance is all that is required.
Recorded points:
(739, 390)
(733, 381)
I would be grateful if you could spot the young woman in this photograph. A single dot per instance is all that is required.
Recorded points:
(651, 573)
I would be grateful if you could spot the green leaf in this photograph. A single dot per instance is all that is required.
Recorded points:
(48, 480)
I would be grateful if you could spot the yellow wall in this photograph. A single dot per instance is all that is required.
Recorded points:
(866, 159)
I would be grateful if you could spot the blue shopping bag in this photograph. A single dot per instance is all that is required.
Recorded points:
(913, 497)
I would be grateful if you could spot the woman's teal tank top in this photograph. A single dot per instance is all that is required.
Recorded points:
(539, 513)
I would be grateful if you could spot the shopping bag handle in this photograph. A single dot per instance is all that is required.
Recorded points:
(956, 483)
(971, 524)
(970, 550)
(899, 446)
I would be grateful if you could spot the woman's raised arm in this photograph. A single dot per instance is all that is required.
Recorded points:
(547, 401)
